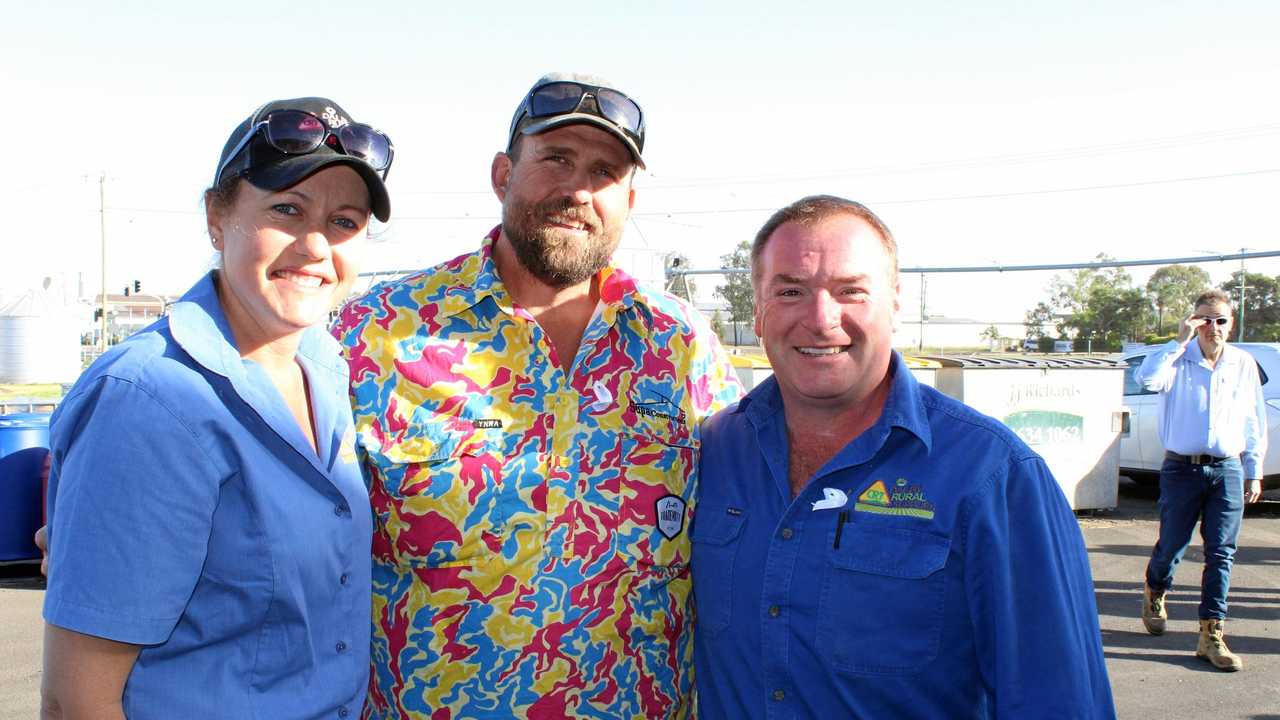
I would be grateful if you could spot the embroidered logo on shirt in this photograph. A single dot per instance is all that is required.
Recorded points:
(604, 398)
(486, 424)
(662, 407)
(904, 499)
(670, 510)
(832, 498)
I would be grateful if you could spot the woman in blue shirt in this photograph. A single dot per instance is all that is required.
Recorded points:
(209, 530)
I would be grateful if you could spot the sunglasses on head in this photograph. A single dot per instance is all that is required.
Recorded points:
(1216, 320)
(564, 97)
(298, 132)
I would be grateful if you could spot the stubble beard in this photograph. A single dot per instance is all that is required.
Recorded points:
(545, 254)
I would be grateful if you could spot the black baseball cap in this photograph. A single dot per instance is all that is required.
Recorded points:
(630, 131)
(267, 168)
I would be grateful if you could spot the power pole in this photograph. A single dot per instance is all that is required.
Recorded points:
(102, 217)
(1242, 296)
(923, 287)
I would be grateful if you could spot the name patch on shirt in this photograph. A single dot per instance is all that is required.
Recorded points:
(487, 424)
(657, 407)
(670, 512)
(903, 499)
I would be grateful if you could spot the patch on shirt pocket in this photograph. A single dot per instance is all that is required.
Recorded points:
(881, 605)
(715, 534)
(651, 515)
(440, 498)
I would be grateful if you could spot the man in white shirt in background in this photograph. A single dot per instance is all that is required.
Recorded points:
(1213, 426)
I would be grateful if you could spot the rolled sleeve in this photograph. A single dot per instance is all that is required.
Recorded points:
(131, 502)
(1156, 372)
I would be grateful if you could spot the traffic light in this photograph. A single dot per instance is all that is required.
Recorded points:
(97, 314)
(126, 291)
(137, 287)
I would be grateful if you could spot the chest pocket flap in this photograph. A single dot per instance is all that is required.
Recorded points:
(891, 552)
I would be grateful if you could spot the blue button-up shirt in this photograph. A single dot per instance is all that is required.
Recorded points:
(1215, 409)
(189, 514)
(931, 569)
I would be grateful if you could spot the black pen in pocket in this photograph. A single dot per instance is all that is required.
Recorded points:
(841, 518)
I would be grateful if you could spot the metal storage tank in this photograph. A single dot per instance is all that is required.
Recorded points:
(1068, 409)
(24, 439)
(39, 340)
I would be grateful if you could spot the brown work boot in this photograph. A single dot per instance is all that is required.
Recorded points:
(1213, 647)
(1153, 612)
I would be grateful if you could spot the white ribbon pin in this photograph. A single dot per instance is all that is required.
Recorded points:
(832, 498)
(604, 398)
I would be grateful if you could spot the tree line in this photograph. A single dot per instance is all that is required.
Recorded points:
(1103, 307)
(1099, 308)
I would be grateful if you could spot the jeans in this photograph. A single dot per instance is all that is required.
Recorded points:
(1214, 495)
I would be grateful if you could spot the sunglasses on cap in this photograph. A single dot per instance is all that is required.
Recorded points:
(1216, 320)
(564, 97)
(298, 132)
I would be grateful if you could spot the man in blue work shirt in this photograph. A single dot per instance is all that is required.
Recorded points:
(1213, 426)
(864, 546)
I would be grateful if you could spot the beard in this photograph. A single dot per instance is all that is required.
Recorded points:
(546, 252)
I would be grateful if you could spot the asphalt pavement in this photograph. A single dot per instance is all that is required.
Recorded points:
(1151, 677)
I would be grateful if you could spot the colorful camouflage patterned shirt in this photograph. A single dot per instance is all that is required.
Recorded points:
(531, 549)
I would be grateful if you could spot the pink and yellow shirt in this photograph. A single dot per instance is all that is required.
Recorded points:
(531, 544)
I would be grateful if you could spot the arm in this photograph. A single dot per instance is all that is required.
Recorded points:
(1255, 436)
(84, 676)
(1031, 599)
(1156, 373)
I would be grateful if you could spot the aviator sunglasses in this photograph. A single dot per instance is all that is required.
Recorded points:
(298, 132)
(563, 97)
(1216, 320)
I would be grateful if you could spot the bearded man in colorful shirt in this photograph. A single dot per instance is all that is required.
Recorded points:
(527, 419)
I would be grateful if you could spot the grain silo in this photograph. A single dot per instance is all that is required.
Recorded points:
(39, 340)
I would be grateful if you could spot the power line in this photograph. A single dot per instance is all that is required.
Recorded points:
(1070, 153)
(898, 201)
(1091, 265)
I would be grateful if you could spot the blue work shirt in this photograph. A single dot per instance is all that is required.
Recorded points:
(1215, 409)
(931, 569)
(189, 514)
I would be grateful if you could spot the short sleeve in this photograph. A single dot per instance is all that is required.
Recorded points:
(131, 501)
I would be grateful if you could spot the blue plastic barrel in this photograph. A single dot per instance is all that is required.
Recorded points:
(24, 442)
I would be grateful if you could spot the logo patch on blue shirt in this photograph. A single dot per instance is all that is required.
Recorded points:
(904, 499)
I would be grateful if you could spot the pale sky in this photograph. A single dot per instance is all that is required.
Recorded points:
(982, 132)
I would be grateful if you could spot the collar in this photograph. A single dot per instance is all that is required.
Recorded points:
(618, 290)
(200, 328)
(903, 408)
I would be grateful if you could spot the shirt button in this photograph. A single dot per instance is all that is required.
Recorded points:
(343, 712)
(341, 646)
(774, 611)
(786, 533)
(339, 510)
(779, 695)
(343, 580)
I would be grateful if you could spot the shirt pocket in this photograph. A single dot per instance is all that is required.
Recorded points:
(440, 498)
(715, 535)
(651, 510)
(882, 600)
